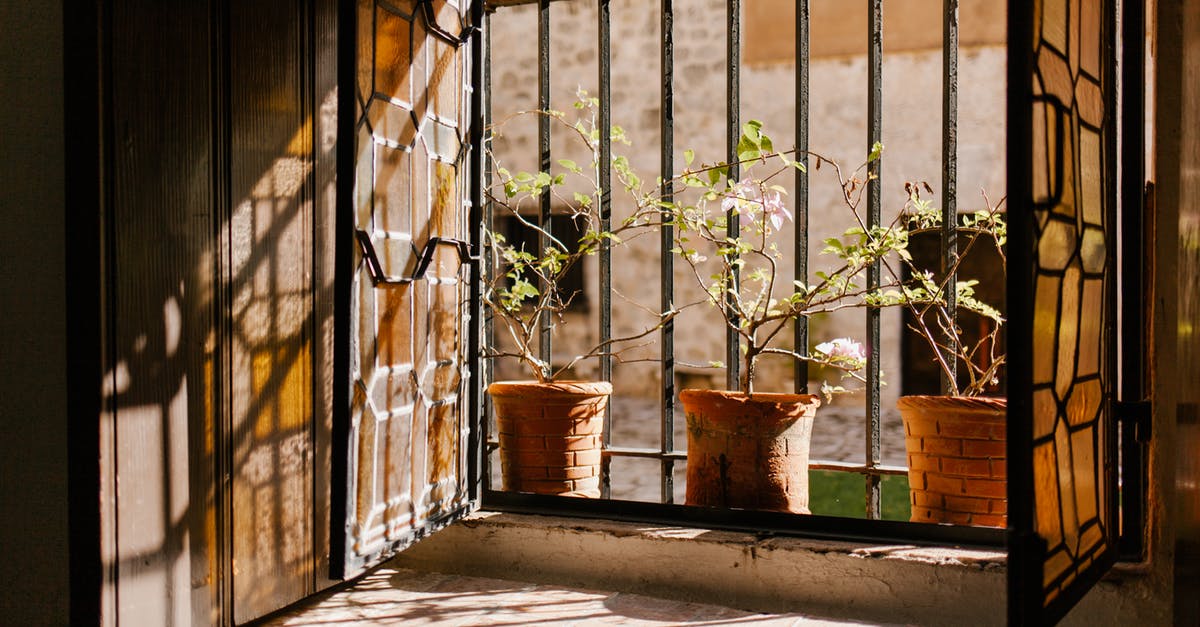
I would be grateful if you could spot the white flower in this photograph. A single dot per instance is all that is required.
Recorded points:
(842, 348)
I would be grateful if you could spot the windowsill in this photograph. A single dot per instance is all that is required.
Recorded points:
(877, 582)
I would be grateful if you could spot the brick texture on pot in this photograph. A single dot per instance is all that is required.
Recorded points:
(956, 459)
(550, 435)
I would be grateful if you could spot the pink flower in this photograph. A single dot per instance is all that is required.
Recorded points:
(843, 348)
(739, 196)
(774, 210)
(746, 198)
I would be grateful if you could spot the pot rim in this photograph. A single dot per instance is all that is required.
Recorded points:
(565, 388)
(983, 404)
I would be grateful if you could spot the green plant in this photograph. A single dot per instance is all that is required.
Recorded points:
(736, 224)
(526, 290)
(925, 295)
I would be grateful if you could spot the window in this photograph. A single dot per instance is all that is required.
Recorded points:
(1061, 336)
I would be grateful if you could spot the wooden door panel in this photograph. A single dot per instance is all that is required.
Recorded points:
(270, 346)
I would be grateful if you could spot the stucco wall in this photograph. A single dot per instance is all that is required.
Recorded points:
(912, 139)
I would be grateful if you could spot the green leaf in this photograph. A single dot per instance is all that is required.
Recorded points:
(751, 130)
(748, 149)
(688, 157)
(568, 164)
(876, 151)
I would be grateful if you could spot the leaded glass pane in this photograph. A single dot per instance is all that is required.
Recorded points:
(408, 465)
(1072, 331)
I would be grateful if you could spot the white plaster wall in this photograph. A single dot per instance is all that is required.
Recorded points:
(912, 139)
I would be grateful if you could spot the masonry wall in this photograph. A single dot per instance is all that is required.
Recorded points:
(911, 122)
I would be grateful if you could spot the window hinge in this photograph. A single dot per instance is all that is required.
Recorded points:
(1138, 413)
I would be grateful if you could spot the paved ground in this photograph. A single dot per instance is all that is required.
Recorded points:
(407, 597)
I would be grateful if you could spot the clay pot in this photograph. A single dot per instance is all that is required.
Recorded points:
(957, 464)
(748, 452)
(550, 435)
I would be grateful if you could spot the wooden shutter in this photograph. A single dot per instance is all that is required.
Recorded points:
(406, 298)
(1062, 289)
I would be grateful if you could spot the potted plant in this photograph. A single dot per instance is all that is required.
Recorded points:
(748, 448)
(955, 442)
(550, 427)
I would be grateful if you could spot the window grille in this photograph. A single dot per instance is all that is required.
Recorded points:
(871, 468)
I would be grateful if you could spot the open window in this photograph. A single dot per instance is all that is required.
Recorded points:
(410, 381)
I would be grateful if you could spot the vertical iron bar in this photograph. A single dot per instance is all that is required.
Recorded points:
(605, 174)
(949, 232)
(477, 448)
(732, 133)
(1023, 543)
(341, 495)
(874, 135)
(666, 241)
(800, 244)
(1132, 271)
(489, 218)
(544, 347)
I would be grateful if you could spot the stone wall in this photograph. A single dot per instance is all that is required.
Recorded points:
(911, 135)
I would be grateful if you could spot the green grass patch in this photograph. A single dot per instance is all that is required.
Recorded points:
(832, 493)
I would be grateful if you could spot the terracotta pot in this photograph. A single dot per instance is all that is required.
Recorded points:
(550, 435)
(748, 452)
(957, 463)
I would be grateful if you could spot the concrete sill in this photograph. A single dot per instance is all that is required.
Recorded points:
(895, 584)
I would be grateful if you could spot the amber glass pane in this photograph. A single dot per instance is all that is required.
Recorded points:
(393, 56)
(1072, 375)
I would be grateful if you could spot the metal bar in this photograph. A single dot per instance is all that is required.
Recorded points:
(880, 470)
(489, 217)
(949, 231)
(547, 324)
(800, 243)
(732, 133)
(1024, 546)
(644, 453)
(478, 432)
(341, 495)
(605, 206)
(1132, 271)
(874, 135)
(666, 243)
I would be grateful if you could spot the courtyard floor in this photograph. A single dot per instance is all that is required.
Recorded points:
(391, 596)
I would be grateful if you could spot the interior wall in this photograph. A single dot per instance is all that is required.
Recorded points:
(33, 406)
(1178, 255)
